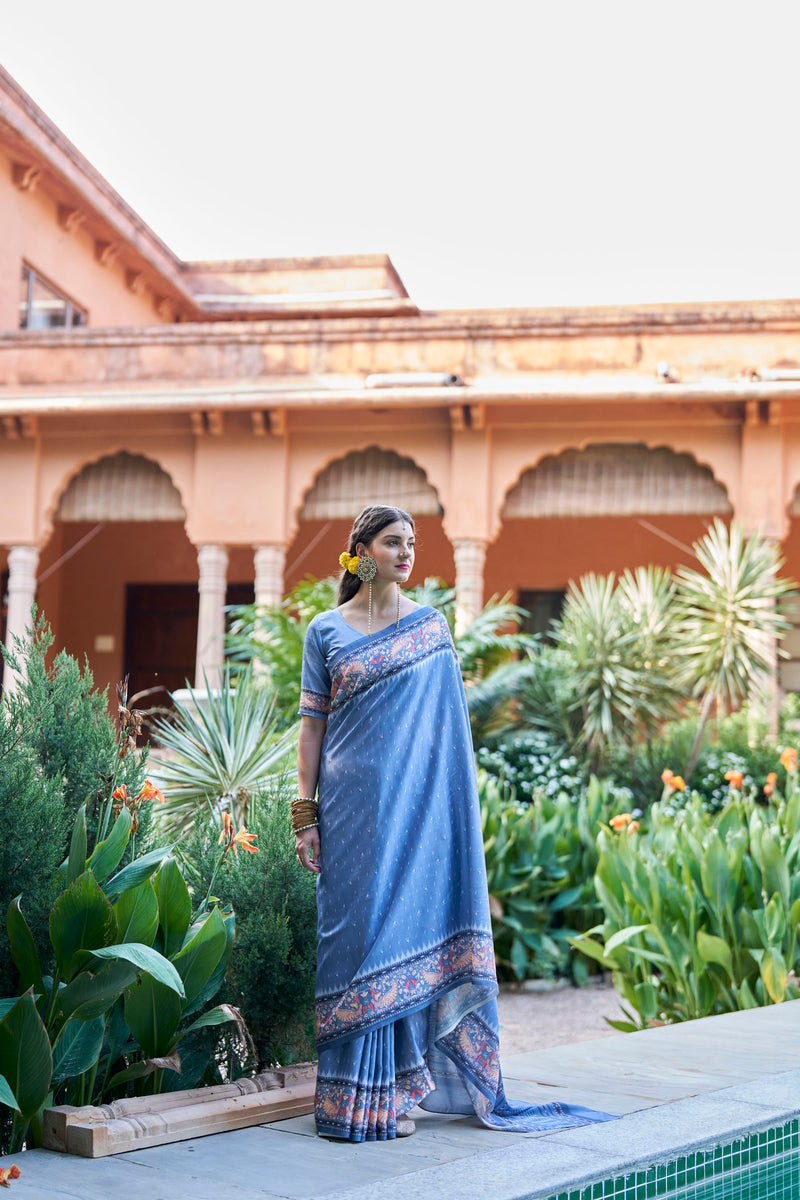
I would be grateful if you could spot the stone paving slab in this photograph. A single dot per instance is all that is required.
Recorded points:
(733, 1073)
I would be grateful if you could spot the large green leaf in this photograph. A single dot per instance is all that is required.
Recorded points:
(775, 869)
(91, 995)
(715, 875)
(135, 872)
(146, 959)
(7, 1097)
(81, 919)
(715, 949)
(77, 1048)
(174, 906)
(23, 949)
(215, 1016)
(76, 863)
(26, 1061)
(153, 1013)
(197, 960)
(144, 1067)
(107, 855)
(774, 974)
(215, 980)
(137, 914)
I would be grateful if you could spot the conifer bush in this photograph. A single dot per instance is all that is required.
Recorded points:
(270, 977)
(57, 742)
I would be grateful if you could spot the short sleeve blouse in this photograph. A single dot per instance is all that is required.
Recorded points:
(315, 681)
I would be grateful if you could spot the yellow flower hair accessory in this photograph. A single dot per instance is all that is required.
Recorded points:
(349, 562)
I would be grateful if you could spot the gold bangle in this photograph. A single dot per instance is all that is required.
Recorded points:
(302, 828)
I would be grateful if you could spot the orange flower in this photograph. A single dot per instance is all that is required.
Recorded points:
(734, 778)
(772, 779)
(633, 827)
(6, 1173)
(769, 788)
(227, 829)
(243, 839)
(620, 821)
(667, 776)
(121, 793)
(678, 783)
(150, 792)
(789, 760)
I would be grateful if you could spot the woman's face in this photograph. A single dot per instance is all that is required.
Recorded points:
(393, 551)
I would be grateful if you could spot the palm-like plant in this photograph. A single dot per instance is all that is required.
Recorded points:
(221, 749)
(728, 619)
(273, 638)
(614, 636)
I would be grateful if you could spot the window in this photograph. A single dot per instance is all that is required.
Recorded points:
(41, 306)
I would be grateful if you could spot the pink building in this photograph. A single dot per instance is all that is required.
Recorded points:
(174, 435)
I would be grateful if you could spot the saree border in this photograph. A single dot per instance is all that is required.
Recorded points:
(356, 668)
(405, 987)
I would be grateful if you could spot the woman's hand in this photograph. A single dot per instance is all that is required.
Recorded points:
(306, 845)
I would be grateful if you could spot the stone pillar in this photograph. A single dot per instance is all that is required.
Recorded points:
(213, 563)
(270, 560)
(470, 556)
(22, 564)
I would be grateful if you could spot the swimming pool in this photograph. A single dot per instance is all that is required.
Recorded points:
(763, 1165)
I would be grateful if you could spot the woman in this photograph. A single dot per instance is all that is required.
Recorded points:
(406, 985)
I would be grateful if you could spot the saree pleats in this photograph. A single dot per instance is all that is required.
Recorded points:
(406, 982)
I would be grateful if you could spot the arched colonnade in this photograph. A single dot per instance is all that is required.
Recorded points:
(491, 519)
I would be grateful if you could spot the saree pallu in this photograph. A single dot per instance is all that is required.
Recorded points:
(406, 983)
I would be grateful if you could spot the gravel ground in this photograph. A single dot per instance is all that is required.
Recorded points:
(535, 1020)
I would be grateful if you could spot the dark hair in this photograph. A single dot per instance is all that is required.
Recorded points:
(366, 527)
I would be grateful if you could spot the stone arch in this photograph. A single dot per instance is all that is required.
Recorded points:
(346, 483)
(616, 479)
(369, 476)
(102, 464)
(121, 487)
(581, 509)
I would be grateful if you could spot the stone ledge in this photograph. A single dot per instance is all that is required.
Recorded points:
(96, 1131)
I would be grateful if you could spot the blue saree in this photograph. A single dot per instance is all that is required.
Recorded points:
(406, 984)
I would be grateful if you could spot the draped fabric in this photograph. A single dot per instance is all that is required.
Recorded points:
(406, 984)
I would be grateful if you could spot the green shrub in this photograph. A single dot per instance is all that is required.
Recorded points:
(58, 748)
(540, 860)
(270, 976)
(701, 910)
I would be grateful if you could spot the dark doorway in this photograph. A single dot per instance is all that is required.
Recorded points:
(161, 635)
(543, 608)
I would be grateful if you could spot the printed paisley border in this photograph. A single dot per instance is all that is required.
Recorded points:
(358, 669)
(405, 987)
(350, 1110)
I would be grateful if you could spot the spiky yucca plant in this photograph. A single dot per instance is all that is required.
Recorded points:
(222, 746)
(728, 619)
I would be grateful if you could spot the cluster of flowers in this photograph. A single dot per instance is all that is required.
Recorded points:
(624, 821)
(123, 800)
(525, 763)
(232, 841)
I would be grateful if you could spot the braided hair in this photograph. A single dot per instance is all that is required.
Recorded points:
(366, 527)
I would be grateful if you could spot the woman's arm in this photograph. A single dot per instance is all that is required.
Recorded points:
(309, 752)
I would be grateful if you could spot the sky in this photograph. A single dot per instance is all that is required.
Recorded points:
(507, 153)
